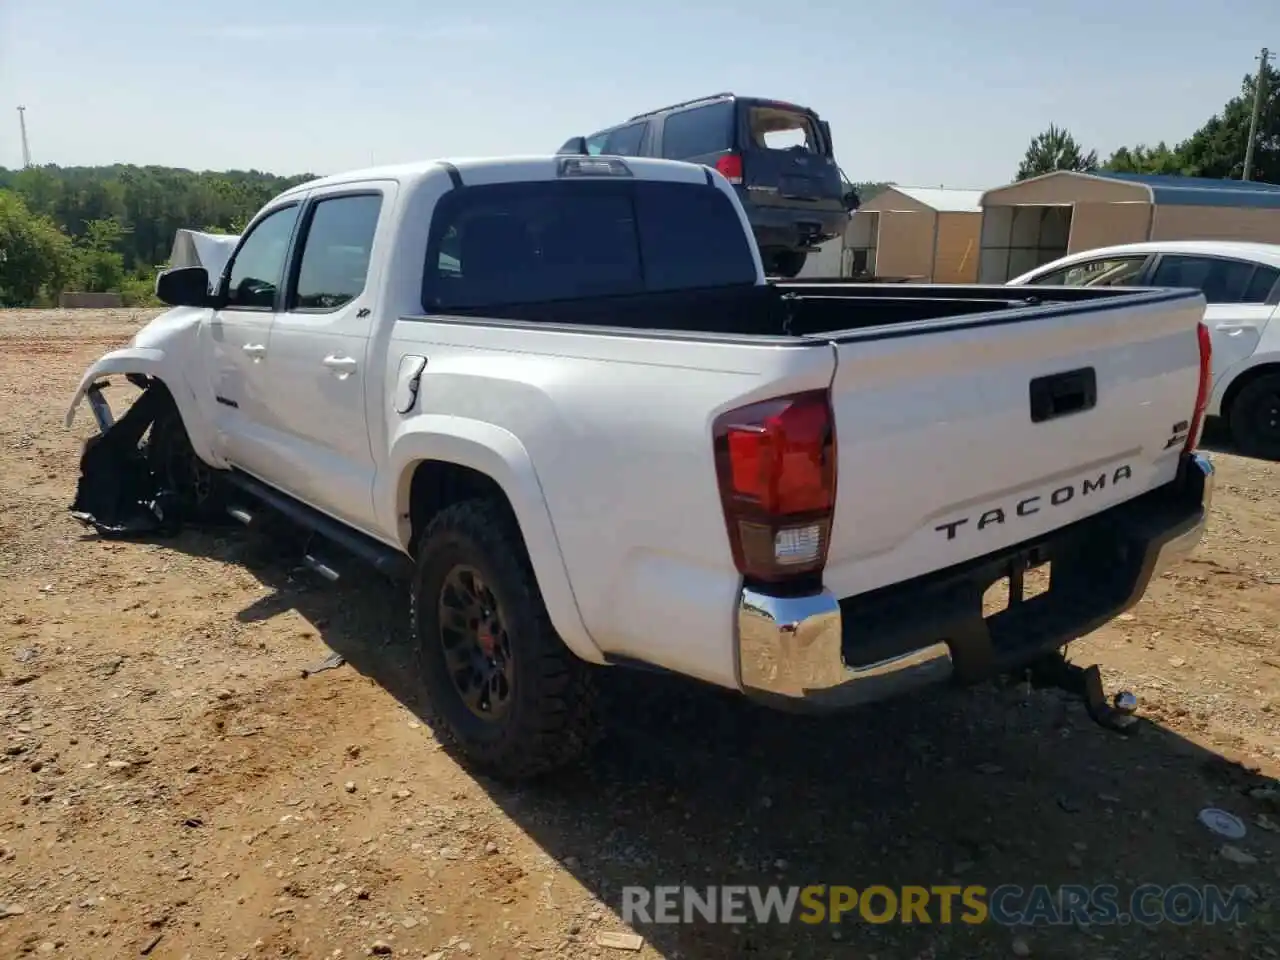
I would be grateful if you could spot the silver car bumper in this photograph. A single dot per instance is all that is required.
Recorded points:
(791, 648)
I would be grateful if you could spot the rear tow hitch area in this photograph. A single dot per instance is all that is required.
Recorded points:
(117, 493)
(1056, 672)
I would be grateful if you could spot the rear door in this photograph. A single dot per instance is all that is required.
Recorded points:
(945, 451)
(1237, 293)
(786, 157)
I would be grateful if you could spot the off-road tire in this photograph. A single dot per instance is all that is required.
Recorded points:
(553, 717)
(1252, 404)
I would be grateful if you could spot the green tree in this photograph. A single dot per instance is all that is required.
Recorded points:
(1217, 149)
(1055, 149)
(867, 189)
(151, 203)
(1160, 159)
(36, 259)
(101, 265)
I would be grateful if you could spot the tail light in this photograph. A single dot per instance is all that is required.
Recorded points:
(730, 166)
(776, 463)
(1202, 394)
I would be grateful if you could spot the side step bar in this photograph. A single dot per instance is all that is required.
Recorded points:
(386, 560)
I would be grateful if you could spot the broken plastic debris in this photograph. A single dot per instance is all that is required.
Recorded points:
(1222, 823)
(331, 662)
(619, 941)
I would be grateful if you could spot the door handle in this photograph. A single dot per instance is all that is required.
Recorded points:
(255, 350)
(342, 366)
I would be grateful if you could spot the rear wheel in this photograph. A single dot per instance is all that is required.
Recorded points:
(499, 682)
(1255, 418)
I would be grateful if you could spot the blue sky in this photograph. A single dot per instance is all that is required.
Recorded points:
(934, 92)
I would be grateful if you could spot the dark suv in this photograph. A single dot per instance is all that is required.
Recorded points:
(777, 155)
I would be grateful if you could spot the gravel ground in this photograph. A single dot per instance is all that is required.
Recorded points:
(172, 786)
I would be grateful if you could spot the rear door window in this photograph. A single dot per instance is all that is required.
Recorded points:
(698, 132)
(520, 243)
(1219, 279)
(1260, 287)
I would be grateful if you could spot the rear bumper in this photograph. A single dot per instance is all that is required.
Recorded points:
(818, 653)
(793, 227)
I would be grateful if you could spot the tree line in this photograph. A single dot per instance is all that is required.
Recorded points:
(1216, 150)
(109, 229)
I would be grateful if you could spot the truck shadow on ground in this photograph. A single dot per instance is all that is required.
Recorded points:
(987, 786)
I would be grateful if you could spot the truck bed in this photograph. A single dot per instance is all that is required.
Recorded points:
(932, 391)
(815, 308)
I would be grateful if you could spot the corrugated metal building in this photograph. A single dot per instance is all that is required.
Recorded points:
(929, 234)
(1040, 219)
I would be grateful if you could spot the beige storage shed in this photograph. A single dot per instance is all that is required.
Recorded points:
(1040, 219)
(927, 234)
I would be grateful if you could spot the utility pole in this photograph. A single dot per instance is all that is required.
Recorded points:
(1258, 84)
(22, 124)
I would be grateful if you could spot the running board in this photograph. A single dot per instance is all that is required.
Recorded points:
(386, 560)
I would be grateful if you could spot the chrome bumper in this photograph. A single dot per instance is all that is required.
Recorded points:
(1177, 548)
(790, 649)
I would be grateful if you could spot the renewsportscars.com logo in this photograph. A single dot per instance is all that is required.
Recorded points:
(1006, 905)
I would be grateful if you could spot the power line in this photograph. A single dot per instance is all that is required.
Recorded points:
(1258, 85)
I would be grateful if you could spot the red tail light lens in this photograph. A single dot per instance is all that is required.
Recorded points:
(776, 462)
(1202, 394)
(730, 166)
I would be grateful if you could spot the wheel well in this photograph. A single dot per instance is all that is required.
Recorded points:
(437, 484)
(1242, 381)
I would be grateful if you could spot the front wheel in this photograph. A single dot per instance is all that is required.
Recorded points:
(500, 684)
(1255, 418)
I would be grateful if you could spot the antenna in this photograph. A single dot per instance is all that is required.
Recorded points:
(26, 148)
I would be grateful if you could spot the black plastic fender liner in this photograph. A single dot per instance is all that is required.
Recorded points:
(116, 492)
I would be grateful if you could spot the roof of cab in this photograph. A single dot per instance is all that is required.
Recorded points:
(498, 170)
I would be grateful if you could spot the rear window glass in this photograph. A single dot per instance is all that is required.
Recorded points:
(698, 132)
(1219, 279)
(539, 242)
(776, 128)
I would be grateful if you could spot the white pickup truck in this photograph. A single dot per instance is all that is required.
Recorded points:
(558, 396)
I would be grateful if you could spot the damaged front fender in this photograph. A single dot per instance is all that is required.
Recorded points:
(135, 360)
(136, 363)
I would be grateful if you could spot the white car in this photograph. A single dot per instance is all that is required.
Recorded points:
(1241, 283)
(558, 396)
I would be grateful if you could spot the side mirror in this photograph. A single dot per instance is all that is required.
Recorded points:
(852, 201)
(184, 287)
(573, 147)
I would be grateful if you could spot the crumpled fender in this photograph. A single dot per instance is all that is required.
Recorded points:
(149, 362)
(499, 455)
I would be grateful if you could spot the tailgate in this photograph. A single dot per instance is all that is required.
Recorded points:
(964, 437)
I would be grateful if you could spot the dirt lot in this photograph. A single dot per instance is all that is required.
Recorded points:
(172, 786)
